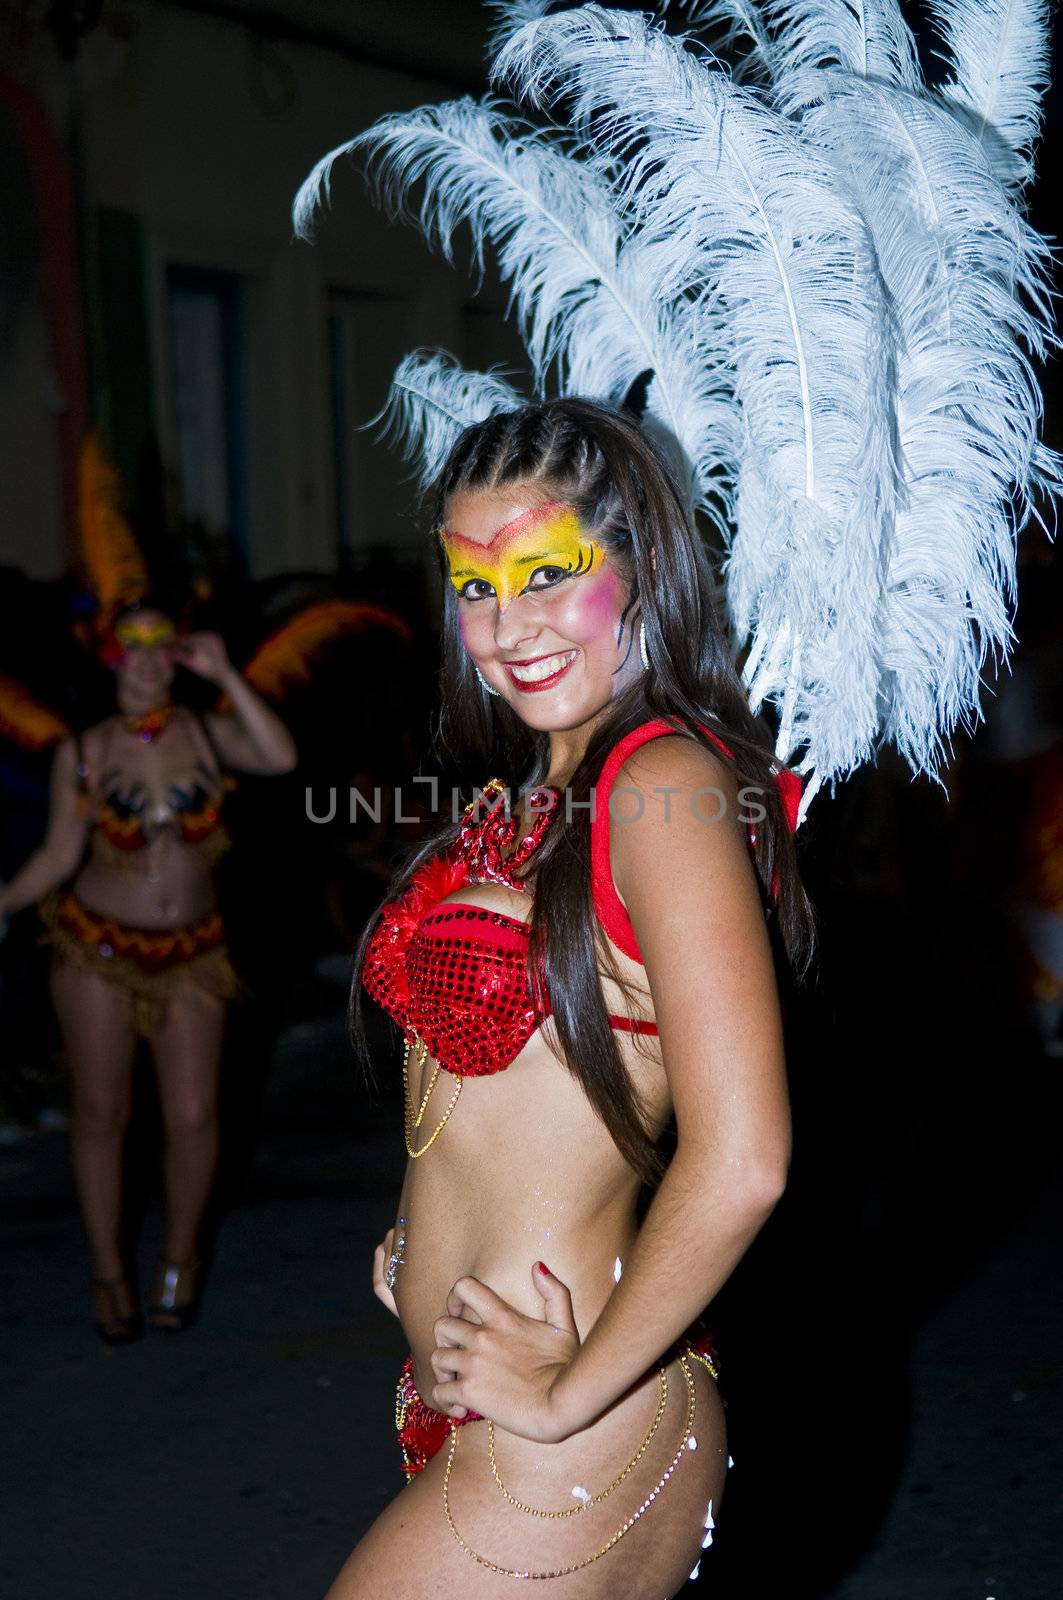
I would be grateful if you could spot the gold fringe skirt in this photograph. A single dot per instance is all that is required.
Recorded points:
(148, 962)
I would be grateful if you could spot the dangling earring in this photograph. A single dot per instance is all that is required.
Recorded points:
(643, 652)
(483, 682)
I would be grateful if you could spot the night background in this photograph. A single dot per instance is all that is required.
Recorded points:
(893, 1343)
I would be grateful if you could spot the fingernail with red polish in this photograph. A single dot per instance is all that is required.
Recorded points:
(543, 1267)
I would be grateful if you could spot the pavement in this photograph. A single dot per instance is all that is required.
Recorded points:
(912, 1454)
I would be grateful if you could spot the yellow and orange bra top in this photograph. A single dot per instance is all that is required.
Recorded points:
(456, 975)
(193, 808)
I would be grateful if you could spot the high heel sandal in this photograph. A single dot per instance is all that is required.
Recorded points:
(120, 1327)
(168, 1314)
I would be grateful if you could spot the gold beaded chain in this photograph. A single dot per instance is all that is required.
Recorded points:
(411, 1122)
(706, 1362)
(577, 1566)
(591, 1500)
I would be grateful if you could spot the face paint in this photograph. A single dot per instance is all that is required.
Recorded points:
(548, 536)
(137, 633)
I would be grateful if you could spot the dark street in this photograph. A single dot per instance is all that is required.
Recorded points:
(247, 1455)
(552, 405)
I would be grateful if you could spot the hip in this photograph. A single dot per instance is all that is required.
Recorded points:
(636, 1491)
(149, 948)
(148, 964)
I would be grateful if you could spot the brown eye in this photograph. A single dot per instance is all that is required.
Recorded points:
(476, 589)
(547, 577)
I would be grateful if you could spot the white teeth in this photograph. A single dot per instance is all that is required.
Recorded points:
(535, 671)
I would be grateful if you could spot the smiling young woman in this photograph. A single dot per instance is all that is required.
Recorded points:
(572, 972)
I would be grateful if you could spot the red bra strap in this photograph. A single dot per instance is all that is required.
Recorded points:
(632, 1024)
(607, 903)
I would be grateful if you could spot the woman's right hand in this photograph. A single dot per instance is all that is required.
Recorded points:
(381, 1256)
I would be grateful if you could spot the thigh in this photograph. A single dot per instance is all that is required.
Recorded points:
(95, 1018)
(410, 1552)
(187, 1049)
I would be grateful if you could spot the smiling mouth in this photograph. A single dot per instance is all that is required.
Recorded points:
(530, 677)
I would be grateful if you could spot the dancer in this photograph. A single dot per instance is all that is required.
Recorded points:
(139, 943)
(536, 1099)
(813, 277)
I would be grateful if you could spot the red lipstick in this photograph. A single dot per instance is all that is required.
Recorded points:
(537, 685)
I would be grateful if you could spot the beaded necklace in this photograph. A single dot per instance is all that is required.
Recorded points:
(148, 726)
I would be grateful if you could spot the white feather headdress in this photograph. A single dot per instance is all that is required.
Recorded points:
(824, 268)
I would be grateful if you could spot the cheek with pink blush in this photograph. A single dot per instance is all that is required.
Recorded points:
(590, 615)
(585, 611)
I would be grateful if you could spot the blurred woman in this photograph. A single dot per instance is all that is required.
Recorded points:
(139, 943)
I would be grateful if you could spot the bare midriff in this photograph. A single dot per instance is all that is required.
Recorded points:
(523, 1171)
(166, 885)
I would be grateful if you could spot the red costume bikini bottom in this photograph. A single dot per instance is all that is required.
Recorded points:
(422, 1431)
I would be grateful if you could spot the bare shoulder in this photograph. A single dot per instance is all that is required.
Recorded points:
(674, 798)
(673, 759)
(93, 737)
(65, 758)
(90, 747)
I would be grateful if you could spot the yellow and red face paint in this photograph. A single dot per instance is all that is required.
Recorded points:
(138, 633)
(549, 535)
(133, 633)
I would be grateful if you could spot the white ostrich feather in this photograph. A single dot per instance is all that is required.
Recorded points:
(867, 37)
(587, 300)
(751, 220)
(836, 296)
(723, 24)
(432, 399)
(999, 54)
(510, 15)
(966, 277)
(314, 192)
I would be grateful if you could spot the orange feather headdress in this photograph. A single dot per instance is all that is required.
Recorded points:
(285, 658)
(114, 565)
(25, 719)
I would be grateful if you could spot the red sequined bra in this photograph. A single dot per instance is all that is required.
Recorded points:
(456, 975)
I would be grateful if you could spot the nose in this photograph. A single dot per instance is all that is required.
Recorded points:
(516, 623)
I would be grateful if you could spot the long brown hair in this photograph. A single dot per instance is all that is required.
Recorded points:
(599, 461)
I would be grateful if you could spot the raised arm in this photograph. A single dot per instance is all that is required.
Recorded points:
(690, 890)
(251, 737)
(64, 843)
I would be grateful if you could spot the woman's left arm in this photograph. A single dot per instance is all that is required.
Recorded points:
(691, 892)
(251, 738)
